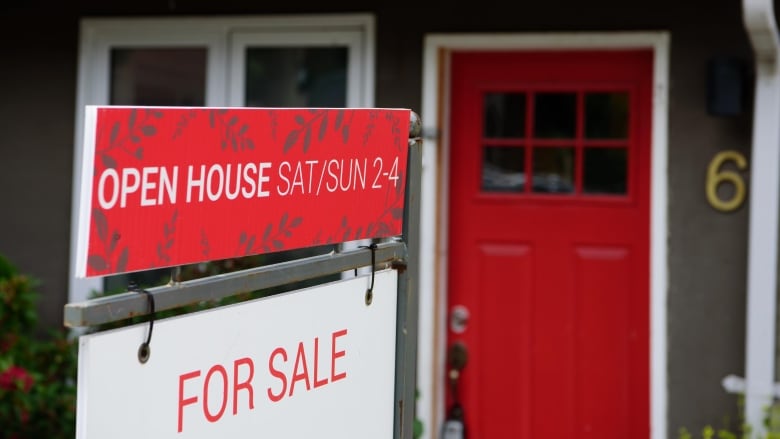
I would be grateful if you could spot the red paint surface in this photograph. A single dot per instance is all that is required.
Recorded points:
(308, 177)
(557, 285)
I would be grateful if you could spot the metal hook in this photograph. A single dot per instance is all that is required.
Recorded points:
(145, 350)
(370, 290)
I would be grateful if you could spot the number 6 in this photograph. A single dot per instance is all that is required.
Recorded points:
(715, 178)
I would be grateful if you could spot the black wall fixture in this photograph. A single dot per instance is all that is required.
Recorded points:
(726, 86)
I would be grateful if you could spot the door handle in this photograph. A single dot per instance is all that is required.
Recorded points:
(454, 426)
(457, 357)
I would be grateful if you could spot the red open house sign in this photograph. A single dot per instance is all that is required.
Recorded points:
(172, 186)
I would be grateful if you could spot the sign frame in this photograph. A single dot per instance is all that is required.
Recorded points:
(401, 255)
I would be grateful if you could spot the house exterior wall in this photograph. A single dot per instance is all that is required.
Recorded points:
(37, 103)
(707, 248)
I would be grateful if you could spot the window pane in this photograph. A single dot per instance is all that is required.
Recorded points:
(165, 77)
(605, 171)
(553, 170)
(606, 115)
(504, 115)
(503, 169)
(555, 115)
(296, 77)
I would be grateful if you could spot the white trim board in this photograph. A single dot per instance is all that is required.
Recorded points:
(433, 226)
(98, 36)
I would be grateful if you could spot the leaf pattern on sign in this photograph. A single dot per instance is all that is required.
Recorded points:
(372, 119)
(316, 127)
(343, 233)
(108, 260)
(183, 122)
(169, 237)
(393, 211)
(273, 122)
(233, 131)
(398, 136)
(128, 137)
(272, 239)
(204, 244)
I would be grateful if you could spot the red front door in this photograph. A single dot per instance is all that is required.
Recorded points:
(549, 243)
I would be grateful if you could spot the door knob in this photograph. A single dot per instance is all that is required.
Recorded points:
(459, 319)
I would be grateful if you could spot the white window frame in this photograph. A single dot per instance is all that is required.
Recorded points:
(224, 38)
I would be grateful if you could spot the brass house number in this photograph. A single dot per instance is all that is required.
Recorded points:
(717, 176)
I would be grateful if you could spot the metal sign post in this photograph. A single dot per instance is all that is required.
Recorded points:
(305, 364)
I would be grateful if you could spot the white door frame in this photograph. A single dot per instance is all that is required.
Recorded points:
(222, 37)
(434, 204)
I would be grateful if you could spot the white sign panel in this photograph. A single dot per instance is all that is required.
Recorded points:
(317, 362)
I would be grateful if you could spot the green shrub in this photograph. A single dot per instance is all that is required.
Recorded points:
(37, 373)
(741, 430)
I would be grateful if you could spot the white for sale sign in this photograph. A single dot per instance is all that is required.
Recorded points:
(312, 363)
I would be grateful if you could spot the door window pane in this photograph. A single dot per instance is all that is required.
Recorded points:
(503, 169)
(159, 76)
(606, 115)
(555, 115)
(605, 171)
(296, 76)
(553, 170)
(504, 115)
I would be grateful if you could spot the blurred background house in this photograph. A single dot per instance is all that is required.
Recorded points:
(591, 232)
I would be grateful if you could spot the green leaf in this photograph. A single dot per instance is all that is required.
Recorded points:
(148, 130)
(131, 119)
(299, 119)
(339, 118)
